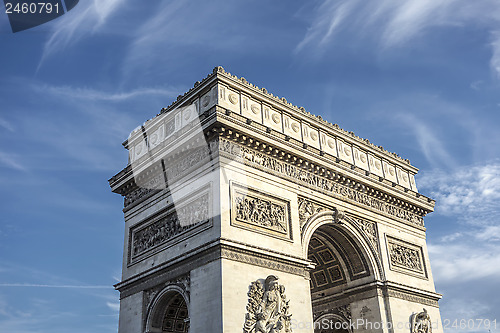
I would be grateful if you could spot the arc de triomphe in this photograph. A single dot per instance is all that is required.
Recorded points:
(245, 213)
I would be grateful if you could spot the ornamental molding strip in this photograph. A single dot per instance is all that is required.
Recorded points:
(280, 168)
(263, 260)
(412, 298)
(267, 308)
(406, 257)
(261, 212)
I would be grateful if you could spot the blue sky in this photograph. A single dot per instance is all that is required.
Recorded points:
(419, 77)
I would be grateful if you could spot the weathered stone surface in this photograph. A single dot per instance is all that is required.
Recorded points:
(230, 189)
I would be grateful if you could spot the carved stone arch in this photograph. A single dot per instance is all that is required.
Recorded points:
(330, 323)
(171, 298)
(371, 241)
(337, 219)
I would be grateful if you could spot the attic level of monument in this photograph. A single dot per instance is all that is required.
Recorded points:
(311, 150)
(262, 93)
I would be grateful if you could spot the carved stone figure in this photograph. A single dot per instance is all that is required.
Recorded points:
(339, 215)
(307, 209)
(267, 309)
(421, 322)
(260, 212)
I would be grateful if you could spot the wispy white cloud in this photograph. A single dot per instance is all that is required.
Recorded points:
(451, 260)
(331, 15)
(88, 17)
(495, 59)
(431, 145)
(409, 18)
(94, 114)
(99, 95)
(471, 193)
(11, 161)
(476, 85)
(31, 285)
(393, 23)
(179, 29)
(114, 306)
(471, 196)
(7, 125)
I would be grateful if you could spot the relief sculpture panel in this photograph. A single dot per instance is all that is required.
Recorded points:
(406, 257)
(176, 221)
(261, 212)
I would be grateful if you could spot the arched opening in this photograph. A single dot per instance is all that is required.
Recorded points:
(331, 323)
(339, 261)
(344, 269)
(176, 314)
(169, 312)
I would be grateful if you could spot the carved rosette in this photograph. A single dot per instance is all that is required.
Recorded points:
(421, 322)
(267, 308)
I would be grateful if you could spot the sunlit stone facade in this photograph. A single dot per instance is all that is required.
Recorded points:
(244, 213)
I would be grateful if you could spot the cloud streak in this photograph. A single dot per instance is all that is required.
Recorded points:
(99, 95)
(393, 23)
(11, 162)
(88, 18)
(472, 192)
(6, 125)
(31, 285)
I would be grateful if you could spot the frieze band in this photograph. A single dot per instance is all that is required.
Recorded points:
(251, 156)
(199, 155)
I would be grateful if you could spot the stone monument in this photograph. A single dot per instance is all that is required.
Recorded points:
(245, 213)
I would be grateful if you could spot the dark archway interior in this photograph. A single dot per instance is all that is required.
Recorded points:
(339, 264)
(338, 258)
(176, 315)
(331, 325)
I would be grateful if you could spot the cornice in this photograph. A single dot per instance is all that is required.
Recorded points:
(314, 163)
